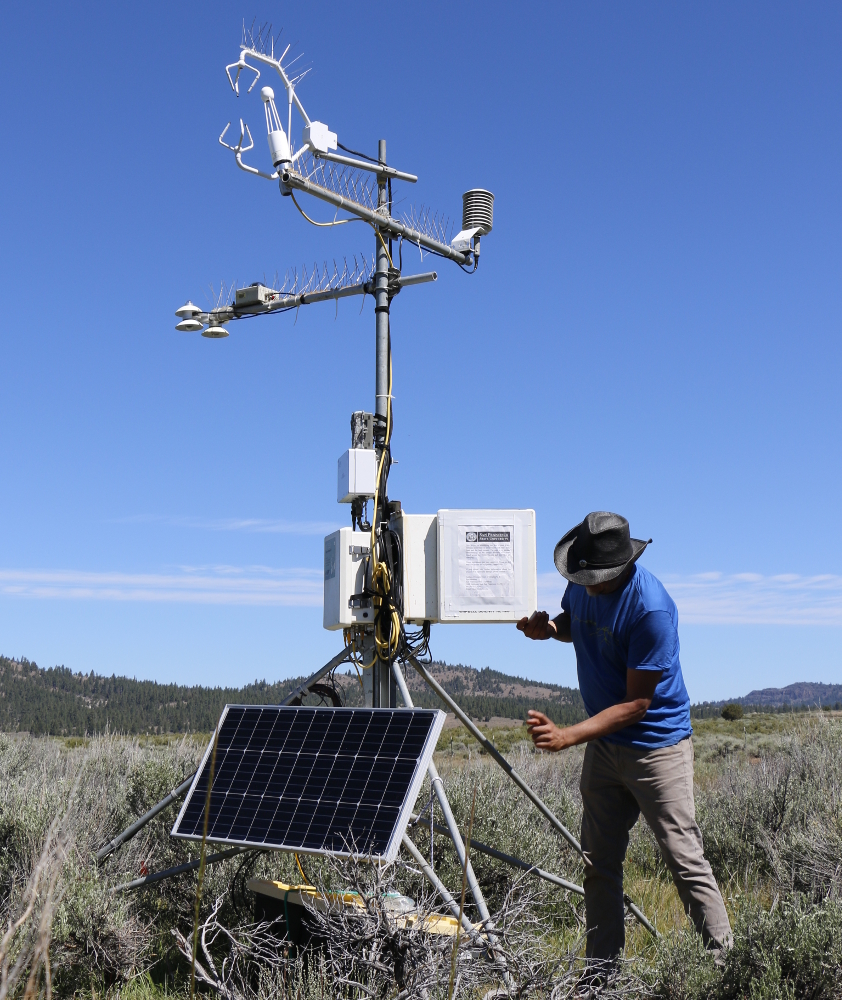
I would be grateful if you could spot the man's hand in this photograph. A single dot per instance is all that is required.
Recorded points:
(546, 735)
(538, 626)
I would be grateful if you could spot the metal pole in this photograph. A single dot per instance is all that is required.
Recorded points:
(449, 818)
(380, 677)
(294, 180)
(489, 747)
(383, 171)
(130, 831)
(188, 866)
(509, 859)
(494, 951)
(182, 789)
(438, 885)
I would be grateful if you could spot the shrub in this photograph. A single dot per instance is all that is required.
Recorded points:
(779, 819)
(732, 712)
(772, 824)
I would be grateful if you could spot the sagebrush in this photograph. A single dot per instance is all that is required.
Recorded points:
(769, 805)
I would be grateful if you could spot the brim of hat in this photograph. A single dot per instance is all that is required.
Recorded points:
(590, 577)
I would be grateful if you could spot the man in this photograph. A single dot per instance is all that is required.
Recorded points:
(639, 759)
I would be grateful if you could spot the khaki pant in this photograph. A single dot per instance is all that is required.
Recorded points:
(618, 784)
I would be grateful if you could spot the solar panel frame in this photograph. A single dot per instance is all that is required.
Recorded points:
(286, 777)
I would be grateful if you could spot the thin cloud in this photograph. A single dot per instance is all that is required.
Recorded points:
(256, 586)
(740, 598)
(704, 598)
(253, 525)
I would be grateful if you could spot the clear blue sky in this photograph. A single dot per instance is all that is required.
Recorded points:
(654, 328)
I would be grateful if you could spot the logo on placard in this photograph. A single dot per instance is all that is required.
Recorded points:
(470, 536)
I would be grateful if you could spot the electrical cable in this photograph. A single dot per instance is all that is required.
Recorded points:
(381, 579)
(389, 203)
(438, 253)
(322, 225)
(380, 237)
(350, 636)
(298, 862)
(354, 152)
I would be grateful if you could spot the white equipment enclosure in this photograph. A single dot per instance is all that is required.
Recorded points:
(457, 566)
(346, 561)
(487, 569)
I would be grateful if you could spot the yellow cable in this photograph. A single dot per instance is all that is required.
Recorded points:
(350, 640)
(380, 579)
(380, 237)
(306, 880)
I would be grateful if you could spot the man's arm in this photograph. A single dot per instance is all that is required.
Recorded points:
(640, 689)
(540, 626)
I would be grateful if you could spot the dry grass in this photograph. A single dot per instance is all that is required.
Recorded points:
(769, 795)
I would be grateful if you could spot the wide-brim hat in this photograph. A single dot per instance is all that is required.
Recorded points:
(597, 550)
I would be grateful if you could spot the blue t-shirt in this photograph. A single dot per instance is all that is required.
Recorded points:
(634, 628)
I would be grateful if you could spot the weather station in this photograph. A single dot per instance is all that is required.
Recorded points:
(389, 575)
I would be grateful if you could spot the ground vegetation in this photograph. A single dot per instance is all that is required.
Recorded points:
(769, 798)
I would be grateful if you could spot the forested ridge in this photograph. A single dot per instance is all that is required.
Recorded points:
(56, 701)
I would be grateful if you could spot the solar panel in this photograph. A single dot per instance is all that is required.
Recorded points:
(317, 780)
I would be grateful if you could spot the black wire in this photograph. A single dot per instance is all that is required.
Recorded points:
(371, 159)
(242, 901)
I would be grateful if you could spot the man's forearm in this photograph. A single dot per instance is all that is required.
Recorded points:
(610, 720)
(562, 627)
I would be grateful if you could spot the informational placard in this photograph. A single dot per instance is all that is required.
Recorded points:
(487, 569)
(486, 564)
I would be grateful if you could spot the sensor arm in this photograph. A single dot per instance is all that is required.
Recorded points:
(281, 303)
(383, 222)
(239, 149)
(276, 64)
(376, 168)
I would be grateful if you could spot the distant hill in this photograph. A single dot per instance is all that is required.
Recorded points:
(801, 696)
(800, 693)
(488, 693)
(55, 701)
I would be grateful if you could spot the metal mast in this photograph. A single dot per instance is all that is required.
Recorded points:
(383, 686)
